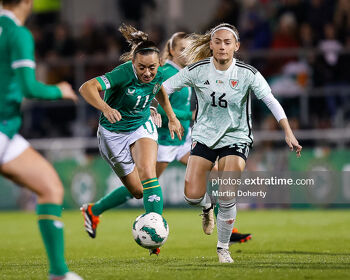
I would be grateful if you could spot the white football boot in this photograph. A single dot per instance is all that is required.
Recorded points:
(224, 256)
(68, 276)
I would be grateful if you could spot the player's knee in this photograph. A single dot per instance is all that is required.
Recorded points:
(52, 193)
(146, 172)
(193, 193)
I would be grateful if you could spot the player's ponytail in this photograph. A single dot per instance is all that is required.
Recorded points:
(199, 46)
(138, 41)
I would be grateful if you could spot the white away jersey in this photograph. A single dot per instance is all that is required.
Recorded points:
(223, 109)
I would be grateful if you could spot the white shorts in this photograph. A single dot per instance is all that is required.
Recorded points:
(171, 153)
(11, 148)
(115, 146)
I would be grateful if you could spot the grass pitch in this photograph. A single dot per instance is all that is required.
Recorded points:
(286, 244)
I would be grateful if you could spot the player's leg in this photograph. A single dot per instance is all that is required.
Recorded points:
(236, 236)
(115, 150)
(199, 165)
(160, 167)
(196, 189)
(144, 153)
(227, 208)
(32, 171)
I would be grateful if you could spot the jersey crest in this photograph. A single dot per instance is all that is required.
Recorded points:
(233, 83)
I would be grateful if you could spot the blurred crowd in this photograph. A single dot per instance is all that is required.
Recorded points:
(302, 47)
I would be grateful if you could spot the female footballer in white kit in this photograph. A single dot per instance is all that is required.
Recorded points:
(222, 127)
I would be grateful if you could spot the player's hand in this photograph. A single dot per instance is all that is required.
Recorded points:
(156, 117)
(111, 114)
(292, 142)
(67, 91)
(175, 126)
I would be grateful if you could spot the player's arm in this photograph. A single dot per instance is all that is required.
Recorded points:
(263, 91)
(174, 124)
(23, 64)
(90, 91)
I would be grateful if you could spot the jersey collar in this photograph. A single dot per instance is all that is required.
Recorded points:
(225, 71)
(172, 63)
(11, 15)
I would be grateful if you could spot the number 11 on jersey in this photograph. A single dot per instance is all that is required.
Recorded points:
(139, 100)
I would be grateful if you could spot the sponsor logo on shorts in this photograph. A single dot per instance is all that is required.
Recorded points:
(153, 198)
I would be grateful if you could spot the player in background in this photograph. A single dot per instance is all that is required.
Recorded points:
(127, 136)
(19, 162)
(223, 123)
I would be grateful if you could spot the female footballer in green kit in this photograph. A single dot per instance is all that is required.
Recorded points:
(169, 149)
(127, 135)
(18, 161)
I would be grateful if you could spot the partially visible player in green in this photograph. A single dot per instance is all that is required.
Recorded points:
(175, 149)
(19, 162)
(127, 135)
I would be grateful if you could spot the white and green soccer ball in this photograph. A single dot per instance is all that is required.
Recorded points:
(150, 230)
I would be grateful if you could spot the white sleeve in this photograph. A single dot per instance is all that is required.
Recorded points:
(178, 81)
(274, 106)
(260, 86)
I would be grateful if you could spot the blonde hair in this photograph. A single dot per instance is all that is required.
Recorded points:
(199, 48)
(171, 44)
(138, 40)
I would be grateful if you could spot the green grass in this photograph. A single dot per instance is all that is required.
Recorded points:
(287, 244)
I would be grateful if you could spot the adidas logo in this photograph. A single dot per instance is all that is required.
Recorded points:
(153, 197)
(207, 83)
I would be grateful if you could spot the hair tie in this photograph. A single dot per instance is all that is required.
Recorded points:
(225, 28)
(147, 49)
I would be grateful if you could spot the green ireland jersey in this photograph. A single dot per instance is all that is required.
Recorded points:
(180, 101)
(17, 74)
(132, 98)
(223, 108)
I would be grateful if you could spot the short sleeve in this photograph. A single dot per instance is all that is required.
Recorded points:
(180, 80)
(116, 77)
(260, 86)
(22, 49)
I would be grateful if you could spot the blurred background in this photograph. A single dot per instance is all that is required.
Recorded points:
(302, 47)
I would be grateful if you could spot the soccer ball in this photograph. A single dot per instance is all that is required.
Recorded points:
(150, 230)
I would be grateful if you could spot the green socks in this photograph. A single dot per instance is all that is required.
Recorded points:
(152, 196)
(51, 229)
(113, 199)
